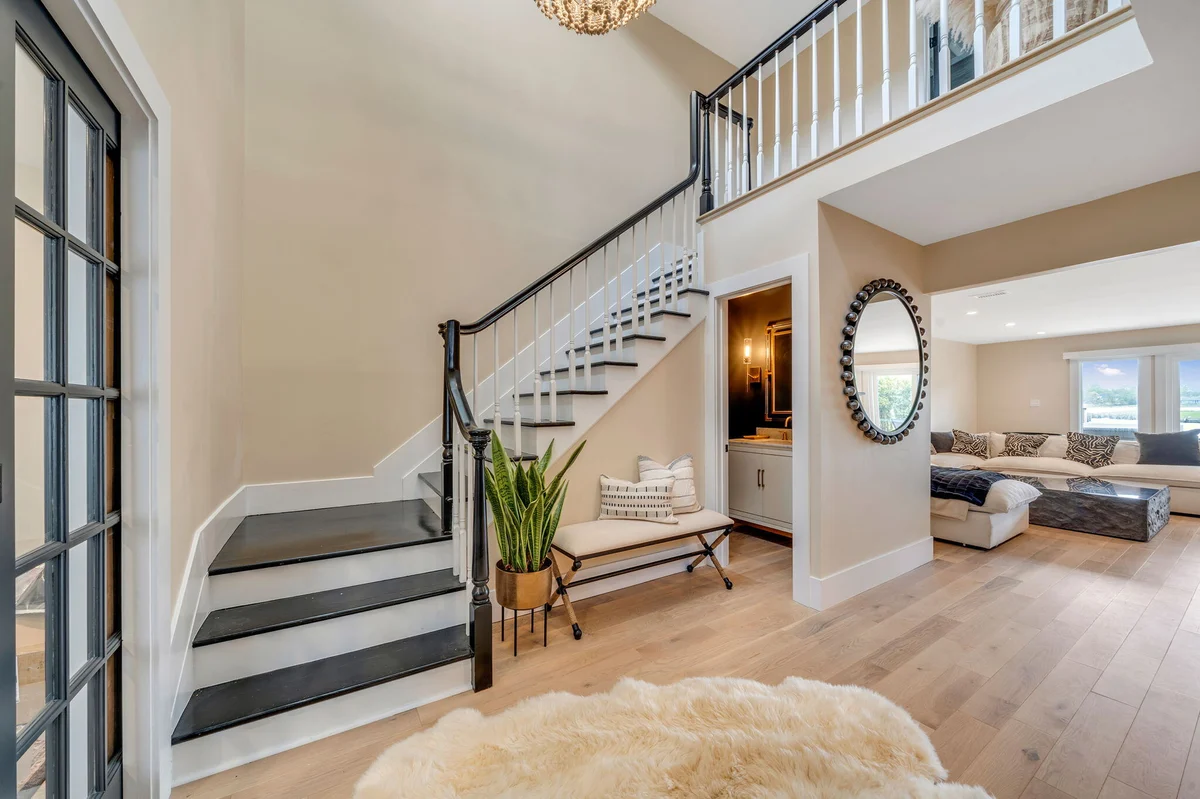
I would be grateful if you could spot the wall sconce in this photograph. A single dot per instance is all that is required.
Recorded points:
(747, 350)
(753, 373)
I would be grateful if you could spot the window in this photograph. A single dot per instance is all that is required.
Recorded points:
(1188, 406)
(60, 537)
(1109, 396)
(887, 392)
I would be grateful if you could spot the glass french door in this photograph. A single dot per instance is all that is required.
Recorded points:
(60, 522)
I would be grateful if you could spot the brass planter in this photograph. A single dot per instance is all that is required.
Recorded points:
(524, 591)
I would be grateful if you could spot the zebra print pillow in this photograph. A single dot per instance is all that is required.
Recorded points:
(1094, 451)
(649, 501)
(967, 444)
(1022, 445)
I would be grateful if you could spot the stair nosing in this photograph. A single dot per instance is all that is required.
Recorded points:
(531, 423)
(582, 392)
(466, 654)
(595, 364)
(627, 318)
(337, 614)
(219, 570)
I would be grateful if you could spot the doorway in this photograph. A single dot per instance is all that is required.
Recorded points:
(60, 521)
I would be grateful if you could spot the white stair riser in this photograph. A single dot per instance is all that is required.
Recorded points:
(563, 411)
(255, 654)
(276, 582)
(246, 743)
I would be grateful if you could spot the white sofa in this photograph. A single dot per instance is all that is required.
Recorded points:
(1051, 462)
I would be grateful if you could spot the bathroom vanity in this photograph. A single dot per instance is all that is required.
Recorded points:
(760, 480)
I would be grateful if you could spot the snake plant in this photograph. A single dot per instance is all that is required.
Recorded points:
(524, 509)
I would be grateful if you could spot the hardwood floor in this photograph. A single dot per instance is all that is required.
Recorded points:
(1057, 665)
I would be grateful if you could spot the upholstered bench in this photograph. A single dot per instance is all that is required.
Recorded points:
(606, 537)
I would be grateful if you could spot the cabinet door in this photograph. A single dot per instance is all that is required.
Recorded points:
(744, 493)
(777, 487)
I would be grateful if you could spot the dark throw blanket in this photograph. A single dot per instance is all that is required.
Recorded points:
(969, 485)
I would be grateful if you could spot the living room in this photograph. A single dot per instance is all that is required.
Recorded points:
(1097, 367)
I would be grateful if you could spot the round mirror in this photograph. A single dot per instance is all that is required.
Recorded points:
(884, 363)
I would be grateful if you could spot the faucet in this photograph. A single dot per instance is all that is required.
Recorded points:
(787, 422)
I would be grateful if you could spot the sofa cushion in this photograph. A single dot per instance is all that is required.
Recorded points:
(967, 444)
(1153, 474)
(954, 460)
(604, 535)
(1127, 452)
(1038, 465)
(942, 442)
(1007, 495)
(1094, 451)
(1022, 445)
(1055, 447)
(1169, 449)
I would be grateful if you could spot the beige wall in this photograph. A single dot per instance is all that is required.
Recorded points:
(1158, 215)
(953, 378)
(196, 49)
(851, 253)
(408, 163)
(1013, 373)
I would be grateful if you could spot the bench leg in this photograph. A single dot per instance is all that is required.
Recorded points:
(710, 553)
(562, 592)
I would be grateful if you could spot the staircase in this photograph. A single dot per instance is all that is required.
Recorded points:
(328, 619)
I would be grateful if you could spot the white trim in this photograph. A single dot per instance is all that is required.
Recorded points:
(826, 592)
(1133, 352)
(795, 270)
(98, 31)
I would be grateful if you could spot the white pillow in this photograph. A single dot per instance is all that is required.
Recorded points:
(1006, 495)
(1055, 447)
(996, 442)
(683, 495)
(648, 502)
(1127, 452)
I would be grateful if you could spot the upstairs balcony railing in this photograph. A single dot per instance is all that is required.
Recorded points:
(807, 108)
(544, 343)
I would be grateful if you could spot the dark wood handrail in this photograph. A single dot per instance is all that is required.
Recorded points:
(816, 15)
(511, 304)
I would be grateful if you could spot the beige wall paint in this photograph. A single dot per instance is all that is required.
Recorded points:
(1152, 217)
(851, 253)
(1013, 373)
(409, 163)
(196, 49)
(953, 380)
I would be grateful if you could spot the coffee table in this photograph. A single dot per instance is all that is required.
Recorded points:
(1102, 507)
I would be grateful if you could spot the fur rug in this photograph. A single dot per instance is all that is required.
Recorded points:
(697, 738)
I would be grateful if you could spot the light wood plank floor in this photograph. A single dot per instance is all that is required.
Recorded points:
(1057, 665)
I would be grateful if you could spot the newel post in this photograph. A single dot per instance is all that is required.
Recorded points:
(707, 202)
(481, 606)
(450, 334)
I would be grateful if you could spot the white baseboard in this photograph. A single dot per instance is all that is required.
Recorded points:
(194, 600)
(825, 592)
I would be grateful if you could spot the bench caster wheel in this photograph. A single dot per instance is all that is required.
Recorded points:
(691, 568)
(578, 632)
(728, 584)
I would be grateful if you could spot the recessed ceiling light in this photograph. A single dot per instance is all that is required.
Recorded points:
(972, 313)
(1010, 324)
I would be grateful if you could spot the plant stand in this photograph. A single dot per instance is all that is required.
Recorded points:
(545, 624)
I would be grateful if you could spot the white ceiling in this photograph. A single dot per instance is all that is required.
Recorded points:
(1156, 289)
(736, 31)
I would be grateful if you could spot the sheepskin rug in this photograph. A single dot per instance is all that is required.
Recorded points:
(697, 738)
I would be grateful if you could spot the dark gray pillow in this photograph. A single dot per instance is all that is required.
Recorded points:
(942, 442)
(1169, 449)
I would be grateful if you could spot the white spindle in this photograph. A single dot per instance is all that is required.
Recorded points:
(516, 399)
(980, 41)
(587, 326)
(1014, 29)
(815, 144)
(759, 162)
(1060, 17)
(697, 264)
(858, 70)
(645, 315)
(620, 337)
(572, 337)
(796, 101)
(674, 248)
(744, 140)
(837, 82)
(606, 314)
(716, 155)
(778, 78)
(912, 54)
(537, 359)
(729, 180)
(496, 378)
(554, 361)
(666, 263)
(887, 64)
(944, 48)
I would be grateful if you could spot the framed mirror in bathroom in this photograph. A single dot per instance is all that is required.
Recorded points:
(778, 394)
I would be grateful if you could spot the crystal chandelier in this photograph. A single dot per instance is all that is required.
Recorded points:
(593, 17)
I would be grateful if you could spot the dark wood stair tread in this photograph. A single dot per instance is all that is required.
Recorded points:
(626, 339)
(626, 313)
(229, 624)
(582, 392)
(229, 704)
(596, 363)
(531, 423)
(512, 455)
(277, 539)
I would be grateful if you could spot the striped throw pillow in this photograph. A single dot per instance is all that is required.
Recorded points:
(683, 496)
(649, 501)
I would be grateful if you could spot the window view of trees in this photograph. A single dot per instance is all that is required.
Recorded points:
(1110, 398)
(895, 396)
(1189, 395)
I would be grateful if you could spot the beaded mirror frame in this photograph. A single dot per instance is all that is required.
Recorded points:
(846, 358)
